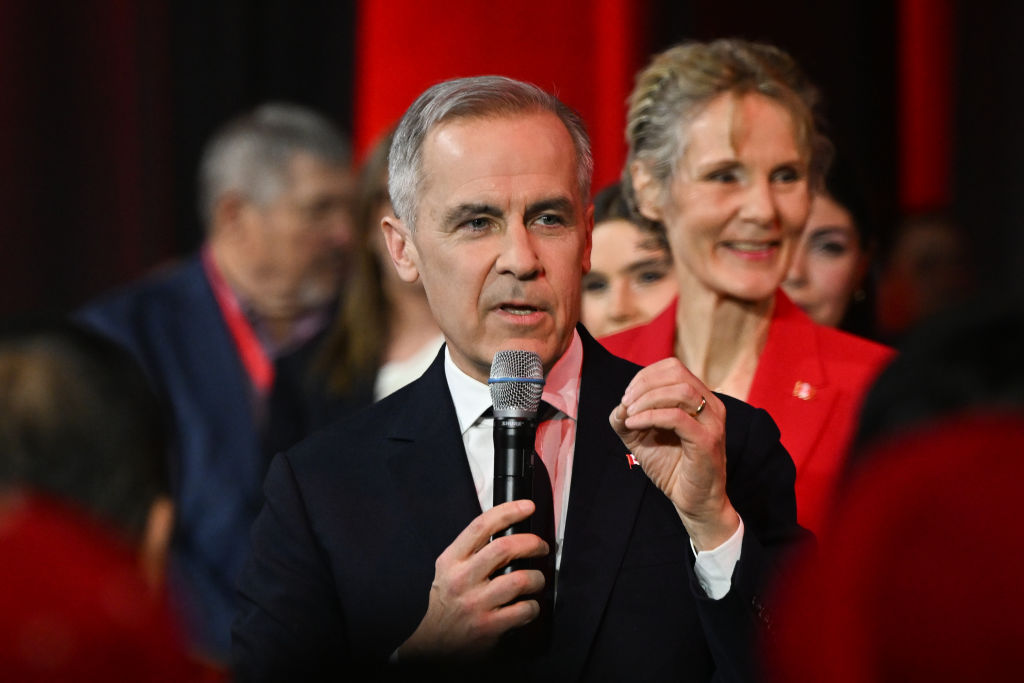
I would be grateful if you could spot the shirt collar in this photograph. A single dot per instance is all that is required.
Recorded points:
(561, 388)
(562, 385)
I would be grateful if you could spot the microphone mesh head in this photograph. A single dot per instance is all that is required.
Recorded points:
(516, 383)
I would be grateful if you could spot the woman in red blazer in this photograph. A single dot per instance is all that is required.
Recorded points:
(723, 156)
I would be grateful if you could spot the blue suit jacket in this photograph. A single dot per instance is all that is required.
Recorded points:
(172, 323)
(344, 548)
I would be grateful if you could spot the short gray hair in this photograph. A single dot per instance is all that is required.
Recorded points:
(251, 154)
(679, 83)
(475, 97)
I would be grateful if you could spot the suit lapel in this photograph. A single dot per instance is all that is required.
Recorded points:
(427, 460)
(603, 502)
(791, 382)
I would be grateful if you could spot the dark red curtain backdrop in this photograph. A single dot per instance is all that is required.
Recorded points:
(926, 105)
(585, 51)
(84, 135)
(106, 103)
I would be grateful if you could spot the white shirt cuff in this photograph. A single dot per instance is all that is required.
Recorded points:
(714, 567)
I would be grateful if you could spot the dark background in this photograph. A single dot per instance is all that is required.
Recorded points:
(107, 104)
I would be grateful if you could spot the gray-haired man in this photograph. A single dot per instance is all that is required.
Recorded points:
(275, 187)
(373, 547)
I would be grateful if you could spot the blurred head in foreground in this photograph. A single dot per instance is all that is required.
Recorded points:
(84, 516)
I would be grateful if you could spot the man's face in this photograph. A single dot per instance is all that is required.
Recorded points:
(502, 237)
(298, 242)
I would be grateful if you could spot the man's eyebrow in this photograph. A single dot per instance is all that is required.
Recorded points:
(559, 204)
(463, 212)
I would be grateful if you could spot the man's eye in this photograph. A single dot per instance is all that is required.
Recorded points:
(477, 224)
(550, 220)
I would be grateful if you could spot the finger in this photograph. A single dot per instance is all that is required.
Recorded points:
(663, 373)
(479, 532)
(505, 588)
(499, 552)
(681, 396)
(617, 419)
(511, 616)
(666, 419)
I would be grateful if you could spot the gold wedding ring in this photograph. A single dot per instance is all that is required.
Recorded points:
(700, 408)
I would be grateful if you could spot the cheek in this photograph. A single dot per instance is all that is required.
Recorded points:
(833, 277)
(591, 309)
(655, 299)
(685, 234)
(691, 212)
(794, 208)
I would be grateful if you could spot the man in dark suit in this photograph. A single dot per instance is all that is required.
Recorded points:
(372, 550)
(217, 332)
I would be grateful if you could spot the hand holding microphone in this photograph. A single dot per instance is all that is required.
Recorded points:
(473, 601)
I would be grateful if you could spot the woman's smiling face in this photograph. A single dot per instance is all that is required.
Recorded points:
(735, 206)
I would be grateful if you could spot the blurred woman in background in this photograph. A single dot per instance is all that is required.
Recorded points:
(829, 275)
(631, 279)
(724, 153)
(385, 335)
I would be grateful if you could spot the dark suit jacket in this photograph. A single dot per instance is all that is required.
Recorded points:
(173, 325)
(344, 548)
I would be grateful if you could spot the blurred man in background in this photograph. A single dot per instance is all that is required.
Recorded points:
(214, 332)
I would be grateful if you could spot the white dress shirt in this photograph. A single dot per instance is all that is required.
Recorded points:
(556, 443)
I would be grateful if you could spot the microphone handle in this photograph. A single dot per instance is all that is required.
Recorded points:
(513, 475)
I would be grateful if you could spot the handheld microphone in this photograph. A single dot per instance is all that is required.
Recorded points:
(516, 384)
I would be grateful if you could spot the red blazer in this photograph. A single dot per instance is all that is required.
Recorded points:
(810, 378)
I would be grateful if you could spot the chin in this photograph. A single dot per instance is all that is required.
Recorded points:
(753, 295)
(315, 295)
(744, 284)
(547, 350)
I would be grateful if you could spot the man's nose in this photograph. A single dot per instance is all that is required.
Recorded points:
(518, 256)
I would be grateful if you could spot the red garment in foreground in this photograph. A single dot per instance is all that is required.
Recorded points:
(919, 577)
(74, 606)
(810, 378)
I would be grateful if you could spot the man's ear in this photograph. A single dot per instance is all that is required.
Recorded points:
(588, 221)
(647, 191)
(398, 238)
(229, 220)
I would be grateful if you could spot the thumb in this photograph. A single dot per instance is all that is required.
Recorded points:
(617, 420)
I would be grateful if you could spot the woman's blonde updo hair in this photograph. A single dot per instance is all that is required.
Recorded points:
(677, 85)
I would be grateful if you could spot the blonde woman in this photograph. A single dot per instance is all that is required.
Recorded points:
(723, 154)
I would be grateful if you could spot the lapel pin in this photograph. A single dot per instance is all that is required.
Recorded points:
(631, 459)
(803, 391)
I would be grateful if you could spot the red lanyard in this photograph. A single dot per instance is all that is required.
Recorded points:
(257, 363)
